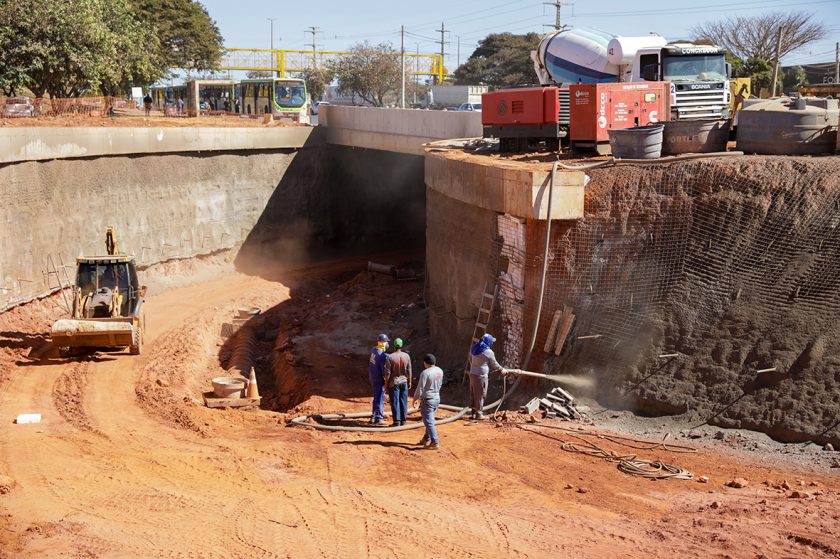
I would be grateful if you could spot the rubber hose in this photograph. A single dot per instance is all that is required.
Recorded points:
(544, 267)
(683, 157)
(588, 166)
(505, 393)
(303, 421)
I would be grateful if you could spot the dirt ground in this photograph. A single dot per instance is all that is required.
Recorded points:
(132, 118)
(128, 463)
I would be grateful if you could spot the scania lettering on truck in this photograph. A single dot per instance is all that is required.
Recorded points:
(698, 74)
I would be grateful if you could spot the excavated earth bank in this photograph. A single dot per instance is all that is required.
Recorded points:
(729, 269)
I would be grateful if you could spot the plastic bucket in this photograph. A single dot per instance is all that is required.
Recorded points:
(640, 142)
(694, 136)
(228, 387)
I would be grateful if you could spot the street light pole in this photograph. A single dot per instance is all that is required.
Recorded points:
(273, 54)
(272, 20)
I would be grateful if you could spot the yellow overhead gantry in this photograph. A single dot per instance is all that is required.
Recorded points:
(284, 60)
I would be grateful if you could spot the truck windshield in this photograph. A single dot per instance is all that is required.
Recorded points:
(290, 95)
(694, 67)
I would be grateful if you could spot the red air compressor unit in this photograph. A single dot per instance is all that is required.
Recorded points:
(523, 116)
(597, 108)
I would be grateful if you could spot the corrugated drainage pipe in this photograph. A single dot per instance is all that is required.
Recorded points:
(244, 347)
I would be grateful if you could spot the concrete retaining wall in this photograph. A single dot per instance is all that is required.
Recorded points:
(398, 130)
(38, 144)
(459, 250)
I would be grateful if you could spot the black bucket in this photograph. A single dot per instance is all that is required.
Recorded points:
(640, 142)
(695, 136)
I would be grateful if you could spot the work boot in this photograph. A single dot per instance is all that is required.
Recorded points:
(424, 442)
(433, 446)
(479, 415)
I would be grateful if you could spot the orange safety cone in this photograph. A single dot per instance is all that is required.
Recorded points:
(252, 392)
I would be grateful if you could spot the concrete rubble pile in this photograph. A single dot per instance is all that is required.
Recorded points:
(556, 403)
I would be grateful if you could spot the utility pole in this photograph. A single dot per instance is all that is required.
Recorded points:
(459, 51)
(273, 54)
(402, 66)
(837, 63)
(558, 4)
(416, 73)
(314, 31)
(776, 63)
(443, 33)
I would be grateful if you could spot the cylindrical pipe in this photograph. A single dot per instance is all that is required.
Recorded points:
(380, 268)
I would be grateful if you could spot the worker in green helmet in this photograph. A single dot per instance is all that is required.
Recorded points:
(398, 382)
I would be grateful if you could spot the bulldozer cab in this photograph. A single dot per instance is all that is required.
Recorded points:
(111, 281)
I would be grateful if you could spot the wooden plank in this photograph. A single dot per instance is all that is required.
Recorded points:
(213, 402)
(549, 340)
(565, 327)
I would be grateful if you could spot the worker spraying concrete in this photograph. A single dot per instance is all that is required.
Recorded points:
(482, 362)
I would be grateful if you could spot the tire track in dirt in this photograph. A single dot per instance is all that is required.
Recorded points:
(68, 394)
(248, 519)
(307, 522)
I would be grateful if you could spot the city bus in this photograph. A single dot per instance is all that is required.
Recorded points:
(281, 97)
(206, 97)
(165, 97)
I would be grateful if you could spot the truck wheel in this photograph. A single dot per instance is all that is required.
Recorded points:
(136, 342)
(64, 351)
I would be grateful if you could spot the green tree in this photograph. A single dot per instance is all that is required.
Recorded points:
(371, 72)
(760, 72)
(793, 77)
(73, 47)
(755, 36)
(500, 60)
(189, 38)
(256, 74)
(317, 81)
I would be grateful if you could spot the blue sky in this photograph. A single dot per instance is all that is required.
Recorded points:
(343, 23)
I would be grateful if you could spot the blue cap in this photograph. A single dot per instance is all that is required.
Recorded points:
(383, 338)
(488, 339)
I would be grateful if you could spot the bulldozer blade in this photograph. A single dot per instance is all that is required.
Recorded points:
(92, 333)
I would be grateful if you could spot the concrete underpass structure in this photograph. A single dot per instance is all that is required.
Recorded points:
(727, 264)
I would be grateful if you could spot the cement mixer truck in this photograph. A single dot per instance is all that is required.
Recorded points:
(698, 74)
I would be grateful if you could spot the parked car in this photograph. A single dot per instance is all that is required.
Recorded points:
(469, 107)
(18, 107)
(317, 104)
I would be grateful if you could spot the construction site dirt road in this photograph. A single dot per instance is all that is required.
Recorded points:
(128, 463)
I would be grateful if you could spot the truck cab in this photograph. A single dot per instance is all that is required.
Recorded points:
(698, 76)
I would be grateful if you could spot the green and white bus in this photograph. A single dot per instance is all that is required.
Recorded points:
(281, 97)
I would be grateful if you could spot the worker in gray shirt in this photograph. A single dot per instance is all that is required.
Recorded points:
(428, 393)
(482, 362)
(398, 382)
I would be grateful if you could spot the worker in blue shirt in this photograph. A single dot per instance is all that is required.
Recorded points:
(482, 363)
(376, 374)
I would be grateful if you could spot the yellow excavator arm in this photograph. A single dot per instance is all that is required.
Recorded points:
(111, 241)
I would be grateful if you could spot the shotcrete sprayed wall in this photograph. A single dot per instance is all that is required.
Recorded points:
(706, 287)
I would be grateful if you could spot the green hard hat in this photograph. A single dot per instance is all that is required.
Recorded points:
(398, 342)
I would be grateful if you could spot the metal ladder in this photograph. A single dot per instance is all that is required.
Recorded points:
(482, 319)
(53, 270)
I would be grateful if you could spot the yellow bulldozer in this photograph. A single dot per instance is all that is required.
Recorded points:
(107, 304)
